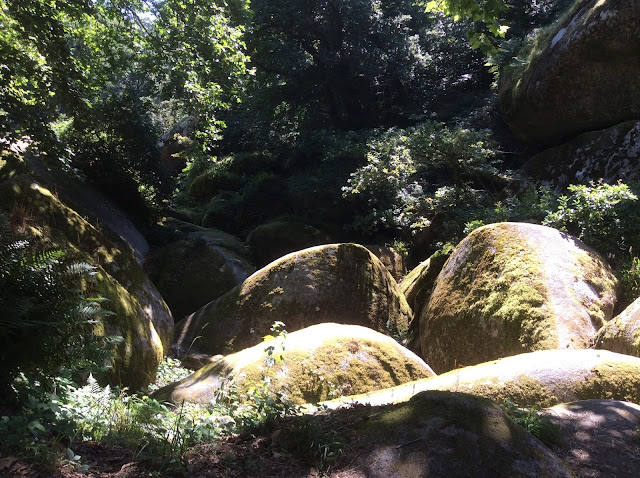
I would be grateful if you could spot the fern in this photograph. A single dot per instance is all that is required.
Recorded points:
(45, 321)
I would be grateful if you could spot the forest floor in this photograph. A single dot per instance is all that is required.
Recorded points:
(282, 449)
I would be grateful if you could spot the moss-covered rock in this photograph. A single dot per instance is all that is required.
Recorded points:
(609, 155)
(418, 283)
(197, 268)
(275, 239)
(442, 434)
(543, 378)
(622, 333)
(581, 75)
(393, 260)
(510, 288)
(141, 316)
(313, 364)
(342, 283)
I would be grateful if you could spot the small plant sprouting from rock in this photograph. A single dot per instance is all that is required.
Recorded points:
(532, 420)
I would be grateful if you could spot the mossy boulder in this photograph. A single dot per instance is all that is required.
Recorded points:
(275, 239)
(313, 364)
(596, 438)
(622, 333)
(543, 378)
(418, 284)
(510, 288)
(443, 434)
(342, 283)
(581, 74)
(393, 260)
(197, 268)
(141, 316)
(609, 155)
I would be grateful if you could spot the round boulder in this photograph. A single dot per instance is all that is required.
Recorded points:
(140, 316)
(317, 363)
(543, 378)
(442, 434)
(198, 268)
(582, 75)
(622, 333)
(342, 283)
(511, 288)
(597, 438)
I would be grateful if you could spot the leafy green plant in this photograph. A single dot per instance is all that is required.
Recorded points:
(46, 321)
(532, 420)
(416, 176)
(605, 216)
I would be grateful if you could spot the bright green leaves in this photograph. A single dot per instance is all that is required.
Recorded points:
(198, 54)
(486, 11)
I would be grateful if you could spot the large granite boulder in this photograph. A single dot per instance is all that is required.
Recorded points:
(317, 363)
(580, 76)
(140, 315)
(342, 283)
(609, 155)
(597, 438)
(622, 333)
(544, 378)
(510, 288)
(442, 434)
(275, 239)
(197, 268)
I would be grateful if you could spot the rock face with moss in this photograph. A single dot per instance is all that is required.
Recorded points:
(313, 364)
(622, 333)
(510, 288)
(197, 268)
(609, 154)
(140, 315)
(342, 283)
(275, 239)
(442, 434)
(543, 378)
(580, 75)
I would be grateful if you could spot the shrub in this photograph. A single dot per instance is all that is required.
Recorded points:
(416, 175)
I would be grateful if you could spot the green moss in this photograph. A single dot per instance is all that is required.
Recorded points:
(498, 289)
(121, 279)
(337, 283)
(613, 381)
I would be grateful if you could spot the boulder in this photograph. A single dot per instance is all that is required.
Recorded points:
(581, 75)
(442, 434)
(391, 259)
(609, 155)
(313, 364)
(622, 333)
(332, 283)
(417, 287)
(510, 288)
(197, 268)
(597, 438)
(275, 239)
(418, 283)
(141, 316)
(544, 378)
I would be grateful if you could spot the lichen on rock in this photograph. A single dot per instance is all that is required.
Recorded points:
(342, 283)
(317, 363)
(510, 288)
